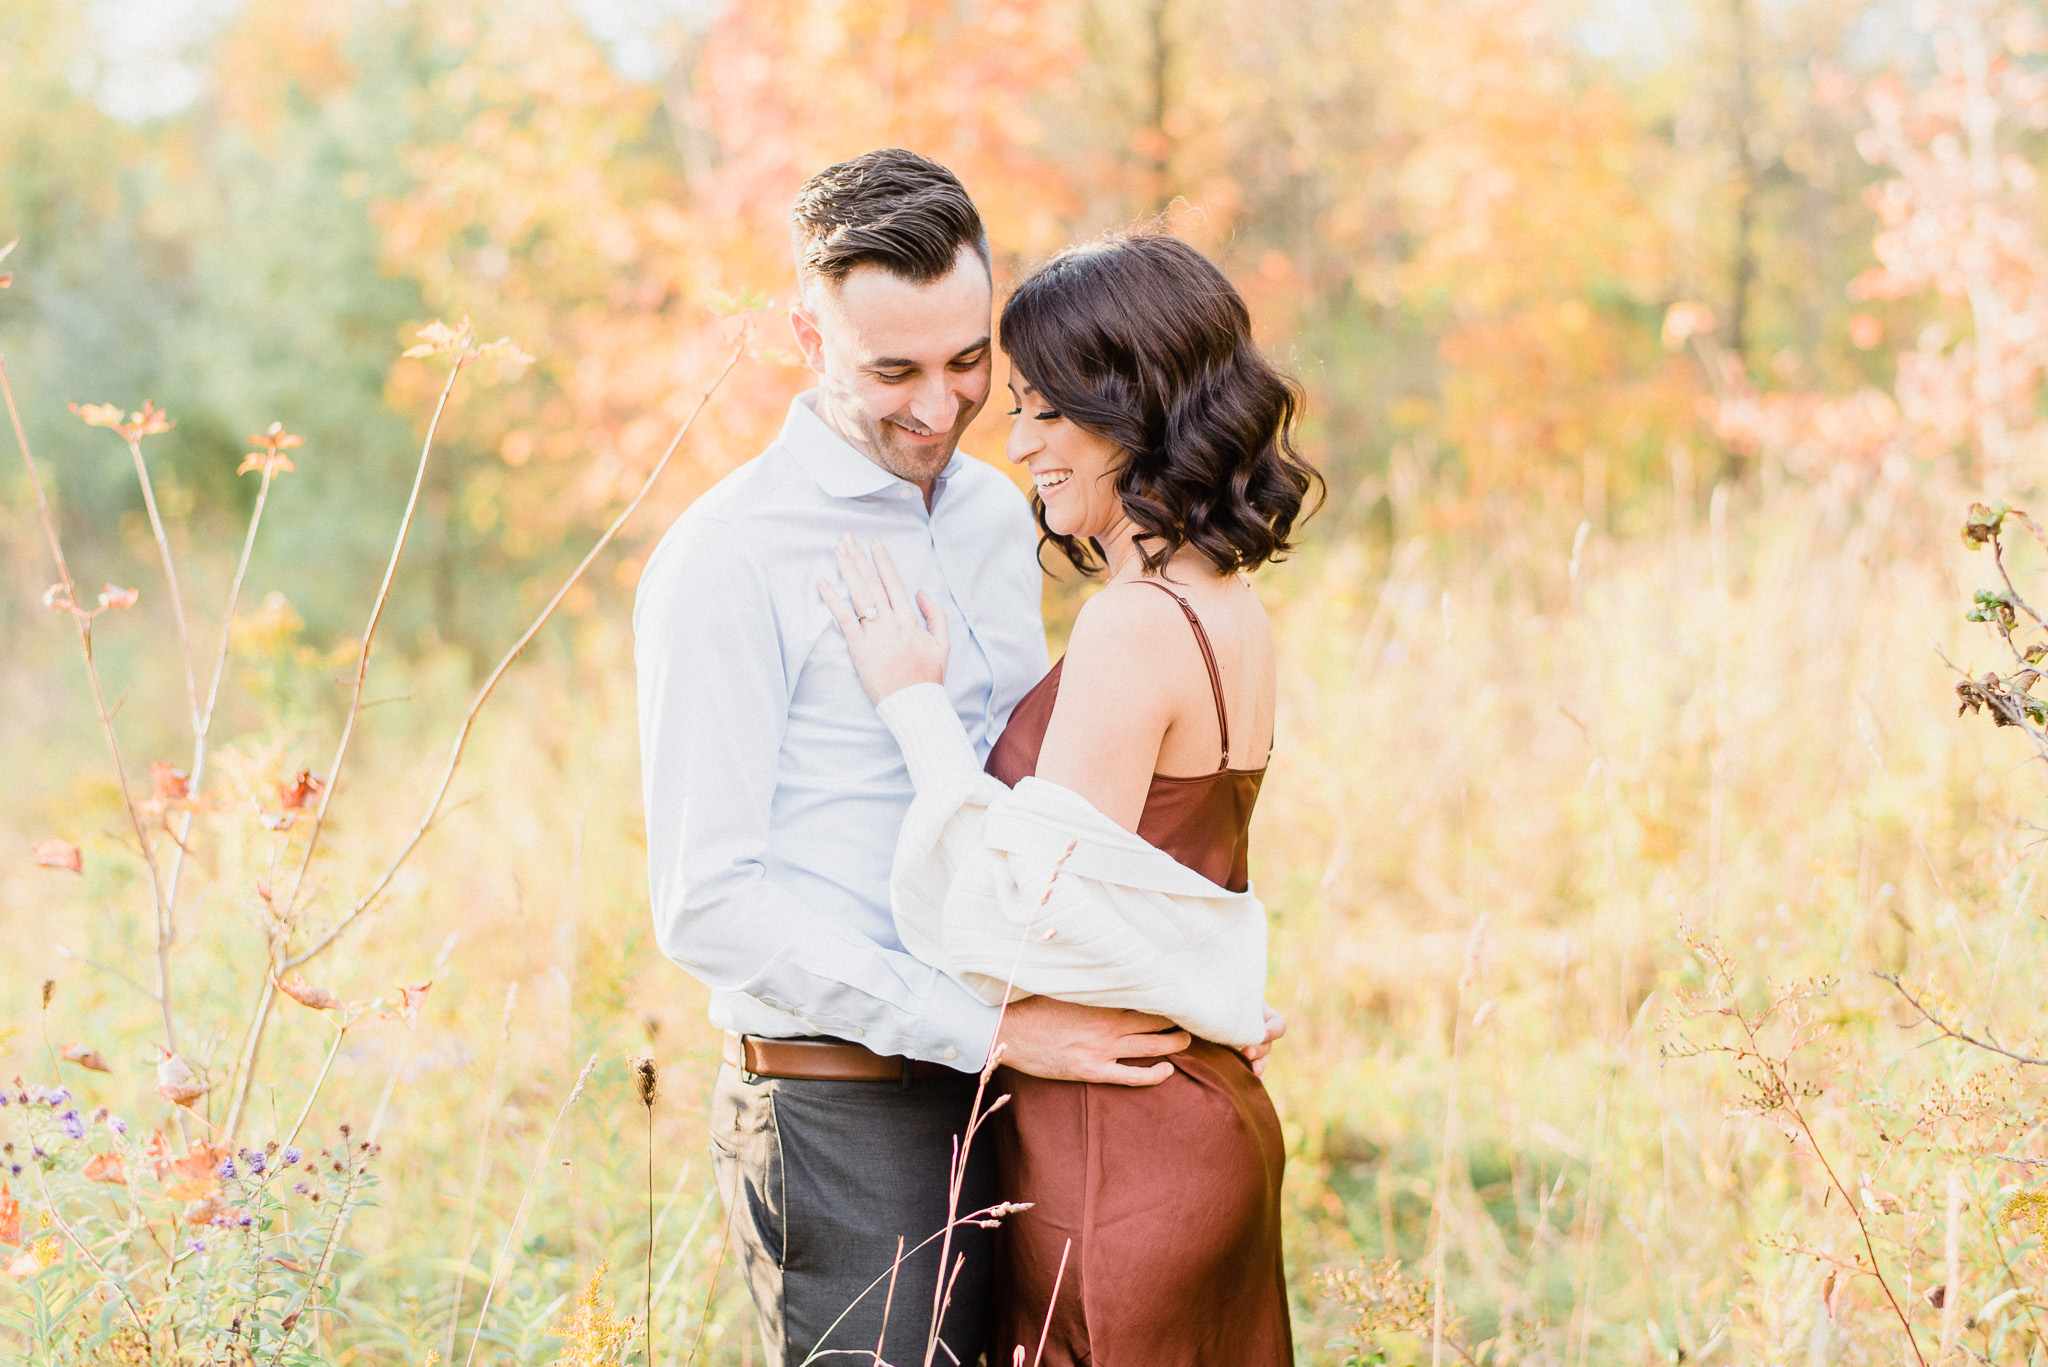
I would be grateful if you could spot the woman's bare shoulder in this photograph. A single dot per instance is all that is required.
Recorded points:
(1125, 624)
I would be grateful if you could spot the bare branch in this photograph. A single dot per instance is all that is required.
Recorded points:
(1956, 1033)
(355, 706)
(281, 956)
(427, 821)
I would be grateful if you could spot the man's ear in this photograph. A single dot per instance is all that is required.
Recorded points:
(809, 339)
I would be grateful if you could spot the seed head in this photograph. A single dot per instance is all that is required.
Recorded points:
(647, 1076)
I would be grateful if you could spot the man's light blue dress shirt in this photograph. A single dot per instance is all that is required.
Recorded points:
(773, 791)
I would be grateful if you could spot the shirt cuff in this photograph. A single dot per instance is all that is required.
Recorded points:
(934, 743)
(959, 1028)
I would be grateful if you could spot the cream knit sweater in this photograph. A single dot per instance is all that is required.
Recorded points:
(1124, 924)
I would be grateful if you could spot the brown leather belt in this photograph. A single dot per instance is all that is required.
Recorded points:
(822, 1059)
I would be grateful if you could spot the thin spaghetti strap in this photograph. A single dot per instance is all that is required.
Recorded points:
(1209, 659)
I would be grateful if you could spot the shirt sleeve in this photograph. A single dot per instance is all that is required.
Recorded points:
(714, 701)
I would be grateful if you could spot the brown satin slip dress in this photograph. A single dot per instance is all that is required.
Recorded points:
(1169, 1194)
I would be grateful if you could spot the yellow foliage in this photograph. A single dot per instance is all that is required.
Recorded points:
(591, 1334)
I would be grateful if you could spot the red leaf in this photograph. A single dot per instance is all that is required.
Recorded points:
(59, 854)
(177, 1081)
(410, 1000)
(10, 1217)
(303, 790)
(106, 1167)
(168, 783)
(87, 1057)
(305, 994)
(201, 1163)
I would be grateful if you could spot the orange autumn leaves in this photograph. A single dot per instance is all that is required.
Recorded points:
(271, 460)
(150, 421)
(170, 786)
(58, 854)
(407, 1008)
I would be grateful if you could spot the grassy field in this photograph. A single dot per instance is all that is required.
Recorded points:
(1514, 759)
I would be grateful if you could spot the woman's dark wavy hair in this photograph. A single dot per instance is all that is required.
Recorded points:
(1140, 339)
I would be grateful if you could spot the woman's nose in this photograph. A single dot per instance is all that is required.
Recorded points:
(1022, 443)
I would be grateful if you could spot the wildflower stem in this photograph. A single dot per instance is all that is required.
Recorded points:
(83, 621)
(202, 729)
(519, 1215)
(711, 1282)
(483, 1158)
(483, 695)
(1045, 1329)
(976, 1114)
(889, 1300)
(648, 1292)
(72, 1240)
(348, 728)
(163, 546)
(340, 1033)
(1798, 1115)
(252, 1042)
(1955, 1033)
(282, 959)
(973, 1217)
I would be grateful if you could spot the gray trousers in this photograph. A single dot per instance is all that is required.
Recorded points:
(819, 1180)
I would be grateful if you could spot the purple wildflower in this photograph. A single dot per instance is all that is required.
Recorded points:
(197, 1245)
(291, 1156)
(226, 1169)
(256, 1163)
(71, 1124)
(118, 1125)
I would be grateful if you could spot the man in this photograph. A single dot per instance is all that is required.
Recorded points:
(774, 793)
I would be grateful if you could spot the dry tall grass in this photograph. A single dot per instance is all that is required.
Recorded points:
(1510, 765)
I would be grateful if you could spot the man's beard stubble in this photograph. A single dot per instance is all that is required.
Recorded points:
(881, 441)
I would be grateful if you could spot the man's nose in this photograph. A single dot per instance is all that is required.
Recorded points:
(936, 404)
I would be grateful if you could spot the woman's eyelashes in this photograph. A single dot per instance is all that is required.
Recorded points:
(1049, 415)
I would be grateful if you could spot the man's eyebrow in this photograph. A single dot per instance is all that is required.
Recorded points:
(905, 363)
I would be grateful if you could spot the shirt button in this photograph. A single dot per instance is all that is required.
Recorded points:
(952, 1053)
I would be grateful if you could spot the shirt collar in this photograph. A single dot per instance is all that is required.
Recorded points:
(830, 460)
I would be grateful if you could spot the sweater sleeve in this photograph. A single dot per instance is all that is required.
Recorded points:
(934, 743)
(1032, 891)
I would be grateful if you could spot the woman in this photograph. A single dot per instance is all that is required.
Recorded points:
(1158, 441)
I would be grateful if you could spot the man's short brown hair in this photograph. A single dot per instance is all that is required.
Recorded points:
(889, 208)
